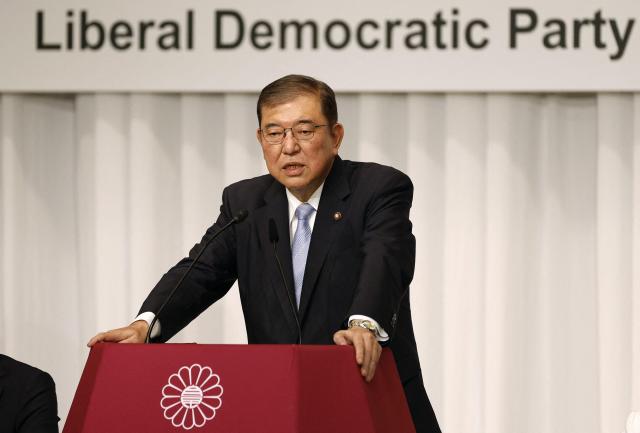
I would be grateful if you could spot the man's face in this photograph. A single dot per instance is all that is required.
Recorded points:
(300, 165)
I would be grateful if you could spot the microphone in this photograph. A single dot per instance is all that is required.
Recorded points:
(239, 217)
(273, 238)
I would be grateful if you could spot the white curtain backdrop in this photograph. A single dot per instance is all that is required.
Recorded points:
(526, 298)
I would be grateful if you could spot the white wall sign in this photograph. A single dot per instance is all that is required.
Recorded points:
(240, 45)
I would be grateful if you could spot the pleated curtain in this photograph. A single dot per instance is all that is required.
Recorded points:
(526, 296)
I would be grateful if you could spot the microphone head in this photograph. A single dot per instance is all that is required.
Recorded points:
(273, 231)
(241, 216)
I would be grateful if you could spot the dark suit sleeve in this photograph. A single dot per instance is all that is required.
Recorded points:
(210, 279)
(39, 413)
(388, 251)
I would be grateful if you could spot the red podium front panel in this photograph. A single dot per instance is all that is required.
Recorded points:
(131, 388)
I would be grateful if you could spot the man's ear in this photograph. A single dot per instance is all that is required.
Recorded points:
(259, 136)
(337, 132)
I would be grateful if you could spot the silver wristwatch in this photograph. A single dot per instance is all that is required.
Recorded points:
(363, 323)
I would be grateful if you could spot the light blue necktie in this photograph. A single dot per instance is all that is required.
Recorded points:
(300, 246)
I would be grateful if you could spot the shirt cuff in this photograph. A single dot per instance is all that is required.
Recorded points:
(381, 334)
(148, 317)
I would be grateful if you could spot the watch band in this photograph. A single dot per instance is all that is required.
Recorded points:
(366, 324)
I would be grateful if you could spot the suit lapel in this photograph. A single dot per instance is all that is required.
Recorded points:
(335, 190)
(277, 208)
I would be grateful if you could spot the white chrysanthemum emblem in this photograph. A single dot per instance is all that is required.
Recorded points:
(191, 397)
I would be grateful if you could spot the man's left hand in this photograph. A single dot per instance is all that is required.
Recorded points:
(367, 348)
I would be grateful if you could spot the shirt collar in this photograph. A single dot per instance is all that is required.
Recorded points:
(314, 201)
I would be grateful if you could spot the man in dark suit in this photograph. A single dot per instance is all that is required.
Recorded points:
(27, 399)
(345, 244)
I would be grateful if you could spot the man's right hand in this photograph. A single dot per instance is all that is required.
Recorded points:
(134, 333)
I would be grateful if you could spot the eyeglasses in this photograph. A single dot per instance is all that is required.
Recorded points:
(302, 132)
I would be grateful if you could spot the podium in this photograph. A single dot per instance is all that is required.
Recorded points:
(135, 388)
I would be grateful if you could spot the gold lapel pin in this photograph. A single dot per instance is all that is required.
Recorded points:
(337, 216)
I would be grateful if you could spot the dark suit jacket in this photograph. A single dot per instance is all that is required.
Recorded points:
(361, 263)
(27, 399)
